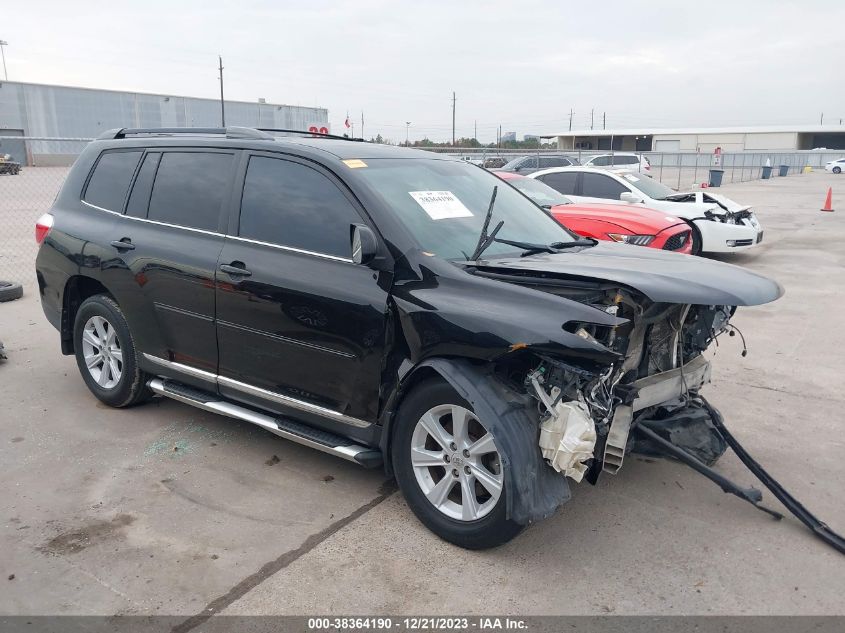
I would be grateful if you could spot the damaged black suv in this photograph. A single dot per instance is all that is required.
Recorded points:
(385, 305)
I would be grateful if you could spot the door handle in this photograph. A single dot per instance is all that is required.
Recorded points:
(123, 244)
(235, 270)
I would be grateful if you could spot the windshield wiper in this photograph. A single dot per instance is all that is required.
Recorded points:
(554, 247)
(484, 240)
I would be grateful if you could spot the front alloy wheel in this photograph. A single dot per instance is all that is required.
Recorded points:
(456, 463)
(450, 469)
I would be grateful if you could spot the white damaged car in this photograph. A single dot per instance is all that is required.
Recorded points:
(719, 225)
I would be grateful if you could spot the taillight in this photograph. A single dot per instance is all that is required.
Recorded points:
(43, 226)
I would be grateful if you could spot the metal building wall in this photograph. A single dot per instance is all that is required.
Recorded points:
(38, 110)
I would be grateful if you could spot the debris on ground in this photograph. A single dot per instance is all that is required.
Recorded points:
(273, 460)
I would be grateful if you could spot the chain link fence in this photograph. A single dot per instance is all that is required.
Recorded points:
(679, 170)
(24, 195)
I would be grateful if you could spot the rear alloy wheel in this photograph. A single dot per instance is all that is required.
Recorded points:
(106, 355)
(101, 349)
(450, 469)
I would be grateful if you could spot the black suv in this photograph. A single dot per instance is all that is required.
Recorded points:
(384, 305)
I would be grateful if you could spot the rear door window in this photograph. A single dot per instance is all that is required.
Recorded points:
(190, 188)
(109, 183)
(289, 204)
(564, 182)
(601, 186)
(554, 161)
(139, 199)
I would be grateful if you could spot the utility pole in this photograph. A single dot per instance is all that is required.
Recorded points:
(475, 130)
(571, 112)
(222, 103)
(3, 54)
(407, 127)
(453, 118)
(604, 120)
(821, 119)
(592, 111)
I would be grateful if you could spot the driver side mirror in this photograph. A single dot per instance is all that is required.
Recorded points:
(632, 198)
(364, 244)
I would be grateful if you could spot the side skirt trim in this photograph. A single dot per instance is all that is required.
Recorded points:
(288, 429)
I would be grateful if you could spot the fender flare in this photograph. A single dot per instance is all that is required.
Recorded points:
(535, 490)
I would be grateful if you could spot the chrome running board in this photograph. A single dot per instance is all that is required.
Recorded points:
(283, 427)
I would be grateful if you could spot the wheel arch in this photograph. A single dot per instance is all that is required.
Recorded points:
(535, 489)
(77, 289)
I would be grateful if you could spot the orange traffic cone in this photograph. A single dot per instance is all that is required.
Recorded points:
(829, 200)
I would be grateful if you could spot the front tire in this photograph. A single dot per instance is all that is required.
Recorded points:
(106, 355)
(450, 470)
(696, 239)
(837, 170)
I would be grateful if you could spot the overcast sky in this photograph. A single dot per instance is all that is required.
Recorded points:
(522, 64)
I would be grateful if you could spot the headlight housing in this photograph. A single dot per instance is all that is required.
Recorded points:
(639, 240)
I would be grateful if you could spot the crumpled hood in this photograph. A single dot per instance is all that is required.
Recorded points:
(708, 199)
(660, 275)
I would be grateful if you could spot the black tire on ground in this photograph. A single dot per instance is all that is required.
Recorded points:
(131, 388)
(9, 291)
(696, 239)
(837, 170)
(491, 530)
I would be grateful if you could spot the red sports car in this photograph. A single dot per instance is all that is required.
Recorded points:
(614, 222)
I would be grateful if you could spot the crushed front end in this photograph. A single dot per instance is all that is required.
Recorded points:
(586, 416)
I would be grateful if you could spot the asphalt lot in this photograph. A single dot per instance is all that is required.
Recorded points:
(164, 509)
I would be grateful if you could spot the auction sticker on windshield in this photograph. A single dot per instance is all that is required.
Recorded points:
(440, 205)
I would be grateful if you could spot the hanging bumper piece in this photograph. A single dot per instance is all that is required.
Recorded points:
(752, 495)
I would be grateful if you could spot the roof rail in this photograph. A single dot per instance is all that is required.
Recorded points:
(311, 133)
(228, 132)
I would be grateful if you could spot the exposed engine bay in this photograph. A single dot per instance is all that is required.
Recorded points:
(586, 416)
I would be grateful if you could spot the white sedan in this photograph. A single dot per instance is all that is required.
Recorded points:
(836, 166)
(719, 225)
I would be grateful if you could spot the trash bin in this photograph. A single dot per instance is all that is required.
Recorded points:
(767, 172)
(716, 177)
(783, 170)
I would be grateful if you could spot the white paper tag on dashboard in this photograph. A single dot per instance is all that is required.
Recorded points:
(440, 205)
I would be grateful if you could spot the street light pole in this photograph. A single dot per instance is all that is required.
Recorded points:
(3, 54)
(407, 127)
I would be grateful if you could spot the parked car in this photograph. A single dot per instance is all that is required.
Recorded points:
(528, 164)
(603, 221)
(835, 166)
(719, 225)
(494, 162)
(381, 304)
(634, 162)
(8, 165)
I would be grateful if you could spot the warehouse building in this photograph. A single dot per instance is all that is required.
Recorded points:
(729, 139)
(40, 111)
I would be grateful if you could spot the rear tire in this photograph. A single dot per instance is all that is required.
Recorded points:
(433, 491)
(106, 355)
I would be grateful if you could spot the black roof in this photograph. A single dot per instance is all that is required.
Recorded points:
(339, 147)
